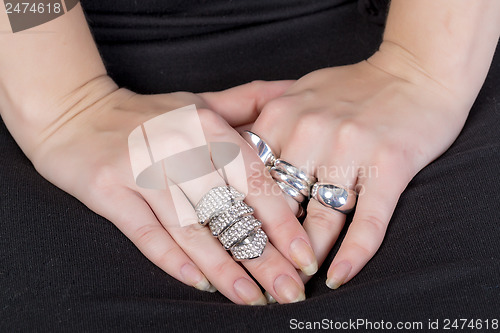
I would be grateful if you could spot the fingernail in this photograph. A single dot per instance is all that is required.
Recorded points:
(288, 289)
(249, 292)
(339, 274)
(270, 298)
(212, 289)
(303, 255)
(196, 278)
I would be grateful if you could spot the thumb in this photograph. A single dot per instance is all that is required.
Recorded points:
(242, 104)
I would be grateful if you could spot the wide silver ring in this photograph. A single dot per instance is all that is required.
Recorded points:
(335, 197)
(298, 184)
(230, 220)
(265, 152)
(294, 171)
(291, 191)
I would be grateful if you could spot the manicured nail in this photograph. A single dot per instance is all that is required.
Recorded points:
(303, 255)
(196, 278)
(270, 298)
(288, 289)
(339, 274)
(249, 292)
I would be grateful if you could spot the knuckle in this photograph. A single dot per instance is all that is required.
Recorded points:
(212, 121)
(145, 235)
(257, 84)
(374, 223)
(363, 250)
(310, 122)
(265, 266)
(192, 233)
(274, 110)
(348, 132)
(308, 95)
(323, 221)
(164, 259)
(281, 227)
(223, 267)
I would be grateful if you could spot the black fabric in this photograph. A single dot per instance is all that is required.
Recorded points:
(64, 268)
(192, 49)
(375, 11)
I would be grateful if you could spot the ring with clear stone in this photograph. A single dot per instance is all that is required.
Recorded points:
(230, 220)
(223, 220)
(217, 200)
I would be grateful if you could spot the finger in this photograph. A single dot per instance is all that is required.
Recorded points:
(272, 271)
(323, 225)
(199, 244)
(241, 105)
(273, 209)
(132, 215)
(376, 203)
(270, 208)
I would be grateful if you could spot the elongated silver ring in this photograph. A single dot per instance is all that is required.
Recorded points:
(230, 220)
(265, 152)
(335, 197)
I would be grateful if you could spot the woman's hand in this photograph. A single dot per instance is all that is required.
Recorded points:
(87, 155)
(366, 127)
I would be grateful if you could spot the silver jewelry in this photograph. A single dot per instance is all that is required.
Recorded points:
(265, 152)
(216, 201)
(223, 220)
(291, 191)
(298, 184)
(230, 220)
(294, 171)
(251, 247)
(335, 197)
(238, 231)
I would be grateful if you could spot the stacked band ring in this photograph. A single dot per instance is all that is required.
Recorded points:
(299, 185)
(292, 180)
(230, 219)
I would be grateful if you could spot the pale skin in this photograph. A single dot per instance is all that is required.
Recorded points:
(397, 111)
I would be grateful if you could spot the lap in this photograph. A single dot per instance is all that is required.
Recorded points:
(62, 266)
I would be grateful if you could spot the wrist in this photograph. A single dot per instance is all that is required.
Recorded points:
(453, 88)
(35, 118)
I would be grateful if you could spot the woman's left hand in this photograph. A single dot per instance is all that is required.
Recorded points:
(370, 127)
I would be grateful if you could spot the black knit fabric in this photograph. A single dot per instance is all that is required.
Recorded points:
(64, 268)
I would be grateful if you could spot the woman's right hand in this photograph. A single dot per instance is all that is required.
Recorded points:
(87, 155)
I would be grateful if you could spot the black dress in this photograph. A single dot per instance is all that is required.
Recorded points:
(64, 268)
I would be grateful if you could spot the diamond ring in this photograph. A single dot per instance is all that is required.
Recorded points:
(230, 219)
